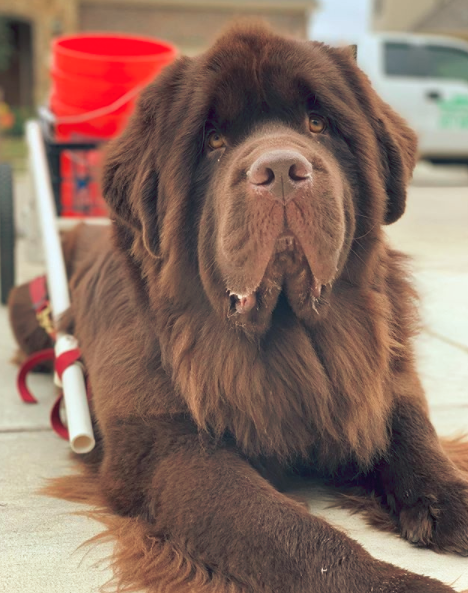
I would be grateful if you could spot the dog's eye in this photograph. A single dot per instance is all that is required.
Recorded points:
(215, 140)
(316, 123)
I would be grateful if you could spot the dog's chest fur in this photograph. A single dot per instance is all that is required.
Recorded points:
(324, 389)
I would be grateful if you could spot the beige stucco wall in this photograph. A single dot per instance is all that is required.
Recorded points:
(400, 15)
(191, 24)
(47, 17)
(422, 16)
(191, 29)
(450, 19)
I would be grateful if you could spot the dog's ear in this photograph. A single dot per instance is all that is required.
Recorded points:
(396, 141)
(398, 146)
(130, 181)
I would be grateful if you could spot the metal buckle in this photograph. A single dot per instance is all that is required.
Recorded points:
(44, 318)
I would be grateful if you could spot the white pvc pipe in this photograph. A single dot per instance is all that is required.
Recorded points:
(74, 388)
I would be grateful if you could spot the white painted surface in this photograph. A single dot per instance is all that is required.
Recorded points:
(73, 382)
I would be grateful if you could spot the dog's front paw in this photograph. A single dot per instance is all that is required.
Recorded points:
(439, 518)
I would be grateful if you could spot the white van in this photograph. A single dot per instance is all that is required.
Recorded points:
(425, 79)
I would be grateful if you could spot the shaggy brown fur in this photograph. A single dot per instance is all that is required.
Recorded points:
(248, 321)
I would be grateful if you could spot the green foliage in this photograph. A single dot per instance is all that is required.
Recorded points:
(6, 44)
(14, 151)
(22, 114)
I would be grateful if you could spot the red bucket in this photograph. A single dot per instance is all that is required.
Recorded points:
(84, 92)
(93, 71)
(100, 126)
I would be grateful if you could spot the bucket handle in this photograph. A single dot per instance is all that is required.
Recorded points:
(50, 117)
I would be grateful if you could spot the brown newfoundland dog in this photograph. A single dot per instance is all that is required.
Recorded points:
(245, 320)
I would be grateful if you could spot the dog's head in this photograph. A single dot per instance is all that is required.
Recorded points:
(250, 172)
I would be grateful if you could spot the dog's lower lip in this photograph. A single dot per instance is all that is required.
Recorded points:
(316, 288)
(243, 303)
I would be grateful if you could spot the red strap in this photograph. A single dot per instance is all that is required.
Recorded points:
(38, 292)
(28, 365)
(40, 302)
(62, 362)
(57, 424)
(65, 360)
(41, 305)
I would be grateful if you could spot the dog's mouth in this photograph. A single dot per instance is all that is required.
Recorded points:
(289, 273)
(242, 303)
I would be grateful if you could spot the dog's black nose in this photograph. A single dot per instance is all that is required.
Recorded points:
(281, 173)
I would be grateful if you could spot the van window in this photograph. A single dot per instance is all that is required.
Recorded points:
(404, 59)
(447, 62)
(424, 61)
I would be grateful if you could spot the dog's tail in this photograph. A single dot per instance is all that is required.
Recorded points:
(141, 559)
(457, 451)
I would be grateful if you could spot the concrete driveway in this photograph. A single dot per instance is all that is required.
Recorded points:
(40, 536)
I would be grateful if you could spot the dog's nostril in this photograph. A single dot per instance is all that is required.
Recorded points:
(261, 175)
(300, 171)
(280, 174)
(270, 176)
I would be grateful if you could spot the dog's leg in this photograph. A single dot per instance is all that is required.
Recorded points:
(427, 493)
(208, 502)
